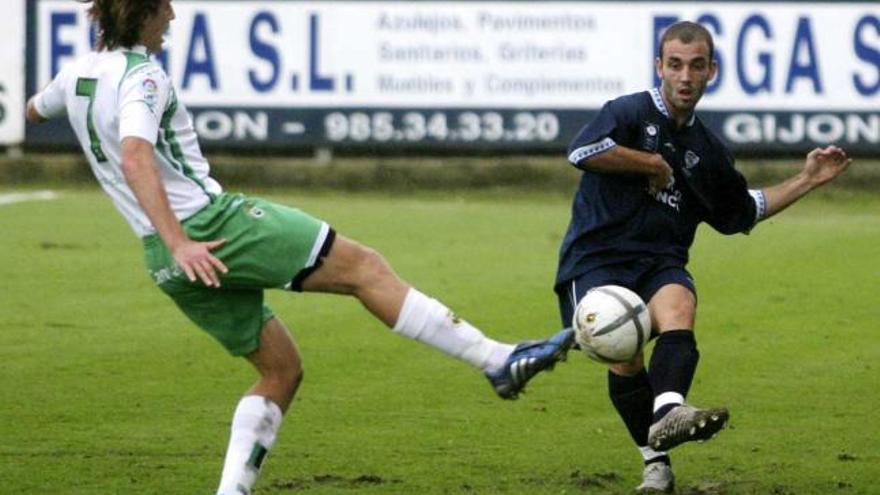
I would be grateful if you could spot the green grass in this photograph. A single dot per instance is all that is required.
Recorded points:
(107, 389)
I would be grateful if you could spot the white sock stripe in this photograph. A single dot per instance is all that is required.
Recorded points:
(648, 453)
(667, 398)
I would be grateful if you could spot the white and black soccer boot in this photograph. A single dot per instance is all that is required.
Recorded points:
(686, 423)
(657, 478)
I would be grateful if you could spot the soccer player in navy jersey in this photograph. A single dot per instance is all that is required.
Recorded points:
(651, 173)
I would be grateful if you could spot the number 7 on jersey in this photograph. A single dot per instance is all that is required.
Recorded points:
(87, 87)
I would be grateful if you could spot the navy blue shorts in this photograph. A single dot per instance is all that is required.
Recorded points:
(643, 276)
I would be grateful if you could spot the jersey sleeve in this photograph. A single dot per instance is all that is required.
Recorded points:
(735, 208)
(608, 129)
(49, 102)
(143, 96)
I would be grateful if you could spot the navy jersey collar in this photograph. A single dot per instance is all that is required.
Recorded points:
(661, 107)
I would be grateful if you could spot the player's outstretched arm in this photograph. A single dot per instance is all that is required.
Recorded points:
(821, 166)
(194, 258)
(31, 113)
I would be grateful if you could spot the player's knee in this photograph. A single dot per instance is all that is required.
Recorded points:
(371, 267)
(295, 378)
(630, 368)
(675, 316)
(288, 378)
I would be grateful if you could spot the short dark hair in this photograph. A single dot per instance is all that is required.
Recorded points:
(687, 32)
(120, 21)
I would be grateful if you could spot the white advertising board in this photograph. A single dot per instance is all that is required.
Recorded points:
(547, 54)
(801, 72)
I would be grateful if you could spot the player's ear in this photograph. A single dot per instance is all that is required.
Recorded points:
(658, 67)
(713, 70)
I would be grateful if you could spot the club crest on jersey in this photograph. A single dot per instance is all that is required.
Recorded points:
(651, 137)
(690, 159)
(256, 212)
(151, 93)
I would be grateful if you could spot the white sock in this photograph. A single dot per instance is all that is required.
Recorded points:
(254, 427)
(429, 321)
(668, 398)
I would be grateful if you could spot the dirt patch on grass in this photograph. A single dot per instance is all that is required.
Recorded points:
(328, 479)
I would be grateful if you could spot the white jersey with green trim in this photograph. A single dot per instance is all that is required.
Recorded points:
(110, 95)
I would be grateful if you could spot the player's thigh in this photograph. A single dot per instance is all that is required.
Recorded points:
(673, 307)
(671, 294)
(347, 266)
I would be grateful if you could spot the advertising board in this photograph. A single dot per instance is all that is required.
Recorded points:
(494, 75)
(12, 25)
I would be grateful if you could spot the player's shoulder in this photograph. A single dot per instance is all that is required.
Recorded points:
(82, 64)
(630, 104)
(637, 99)
(138, 66)
(714, 141)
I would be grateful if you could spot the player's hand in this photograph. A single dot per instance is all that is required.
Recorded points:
(825, 164)
(197, 262)
(662, 176)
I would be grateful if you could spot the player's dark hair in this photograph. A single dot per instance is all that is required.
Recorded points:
(120, 21)
(687, 32)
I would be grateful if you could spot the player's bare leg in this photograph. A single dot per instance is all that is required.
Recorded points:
(278, 362)
(353, 269)
(258, 415)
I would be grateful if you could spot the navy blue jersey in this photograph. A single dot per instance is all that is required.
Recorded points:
(614, 216)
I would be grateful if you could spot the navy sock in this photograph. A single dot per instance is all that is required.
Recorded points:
(673, 364)
(634, 401)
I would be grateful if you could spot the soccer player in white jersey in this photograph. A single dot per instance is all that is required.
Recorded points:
(214, 253)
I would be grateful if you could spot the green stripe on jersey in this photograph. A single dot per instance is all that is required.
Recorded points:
(172, 151)
(132, 60)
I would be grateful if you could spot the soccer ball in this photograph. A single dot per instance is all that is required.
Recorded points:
(611, 324)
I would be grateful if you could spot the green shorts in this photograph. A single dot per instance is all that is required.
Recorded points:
(267, 246)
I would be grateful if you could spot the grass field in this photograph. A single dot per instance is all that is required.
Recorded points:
(106, 389)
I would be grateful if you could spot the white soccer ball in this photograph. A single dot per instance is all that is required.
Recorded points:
(611, 324)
